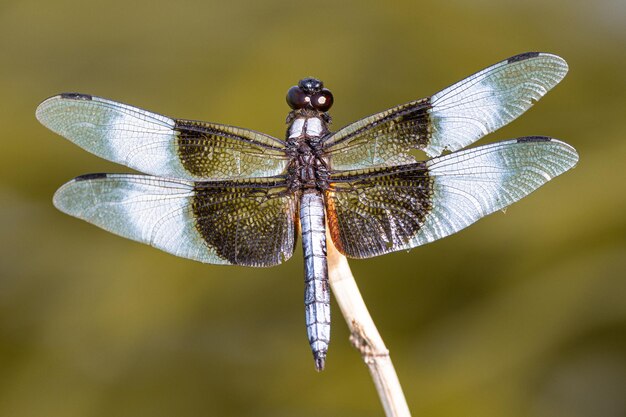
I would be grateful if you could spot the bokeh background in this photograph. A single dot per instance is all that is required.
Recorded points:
(522, 314)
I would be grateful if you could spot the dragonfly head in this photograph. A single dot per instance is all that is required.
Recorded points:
(310, 93)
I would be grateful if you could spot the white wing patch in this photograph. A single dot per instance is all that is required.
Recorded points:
(118, 132)
(142, 208)
(468, 185)
(491, 98)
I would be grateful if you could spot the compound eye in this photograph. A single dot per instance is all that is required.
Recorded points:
(296, 98)
(322, 100)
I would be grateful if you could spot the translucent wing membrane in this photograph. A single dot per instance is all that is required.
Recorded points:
(249, 223)
(159, 145)
(373, 212)
(449, 120)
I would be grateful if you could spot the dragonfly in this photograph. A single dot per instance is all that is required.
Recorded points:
(222, 194)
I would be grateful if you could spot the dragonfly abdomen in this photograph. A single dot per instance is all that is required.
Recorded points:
(316, 286)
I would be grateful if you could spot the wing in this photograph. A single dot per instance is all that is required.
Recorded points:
(159, 145)
(372, 212)
(449, 120)
(244, 223)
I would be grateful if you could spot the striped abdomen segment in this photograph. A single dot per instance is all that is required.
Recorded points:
(316, 287)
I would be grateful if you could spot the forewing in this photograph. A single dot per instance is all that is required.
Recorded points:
(251, 223)
(373, 212)
(449, 120)
(159, 145)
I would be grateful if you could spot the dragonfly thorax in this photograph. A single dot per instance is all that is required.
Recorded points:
(304, 140)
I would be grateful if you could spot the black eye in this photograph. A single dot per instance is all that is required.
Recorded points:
(296, 98)
(322, 100)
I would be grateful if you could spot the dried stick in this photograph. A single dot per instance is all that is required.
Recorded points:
(363, 333)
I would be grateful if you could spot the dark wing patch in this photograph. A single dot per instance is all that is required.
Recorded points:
(210, 150)
(382, 139)
(247, 225)
(250, 223)
(373, 212)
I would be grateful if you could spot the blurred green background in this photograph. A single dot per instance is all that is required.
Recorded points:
(522, 314)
